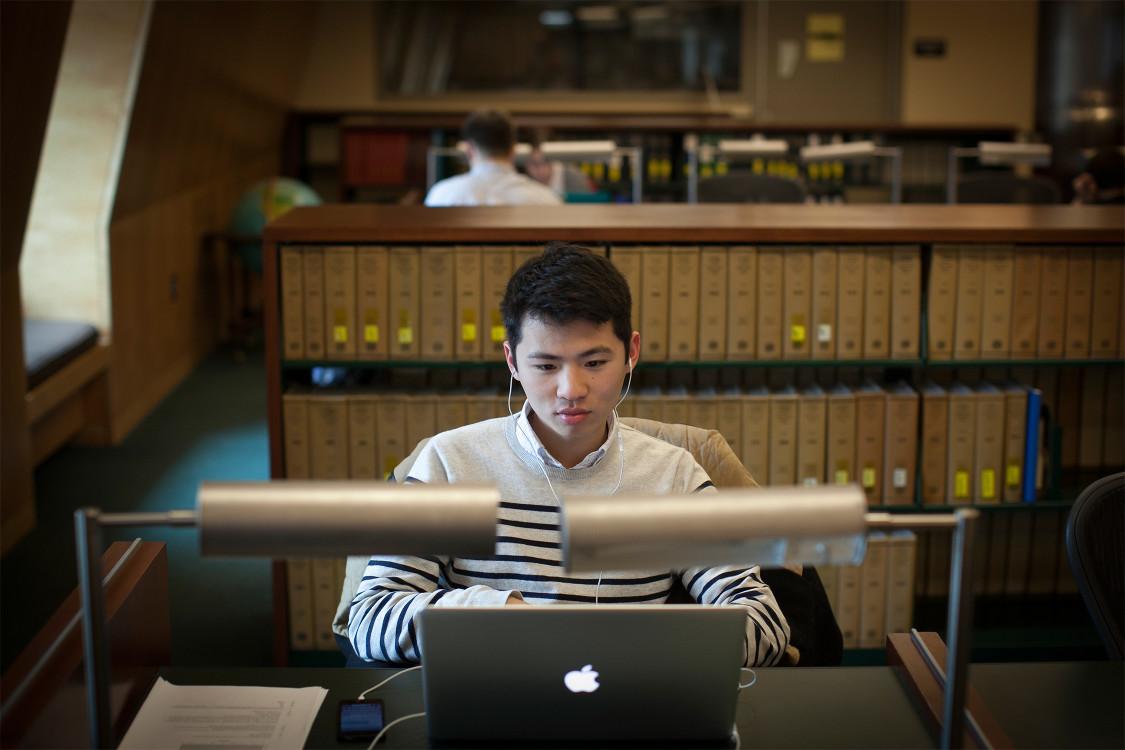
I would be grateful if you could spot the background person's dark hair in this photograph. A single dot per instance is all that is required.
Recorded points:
(1107, 167)
(565, 284)
(491, 132)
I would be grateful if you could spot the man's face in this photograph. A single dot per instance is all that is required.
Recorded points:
(572, 375)
(538, 168)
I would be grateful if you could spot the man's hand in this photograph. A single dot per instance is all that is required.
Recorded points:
(515, 599)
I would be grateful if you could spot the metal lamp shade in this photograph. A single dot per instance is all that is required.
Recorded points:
(767, 526)
(332, 519)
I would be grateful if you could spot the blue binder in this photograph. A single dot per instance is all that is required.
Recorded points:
(1031, 444)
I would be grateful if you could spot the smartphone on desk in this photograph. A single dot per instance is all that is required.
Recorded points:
(359, 720)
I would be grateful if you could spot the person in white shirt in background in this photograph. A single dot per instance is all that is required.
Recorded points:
(492, 179)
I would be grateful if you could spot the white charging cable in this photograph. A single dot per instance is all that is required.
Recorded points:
(362, 696)
(734, 730)
(396, 721)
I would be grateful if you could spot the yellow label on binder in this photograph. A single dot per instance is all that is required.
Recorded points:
(1012, 477)
(961, 485)
(406, 336)
(371, 333)
(614, 173)
(797, 333)
(497, 334)
(988, 484)
(340, 334)
(841, 476)
(757, 166)
(868, 477)
(721, 168)
(468, 332)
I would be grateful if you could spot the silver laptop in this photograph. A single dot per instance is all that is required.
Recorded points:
(581, 673)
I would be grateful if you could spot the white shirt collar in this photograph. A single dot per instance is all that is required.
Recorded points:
(530, 442)
(491, 166)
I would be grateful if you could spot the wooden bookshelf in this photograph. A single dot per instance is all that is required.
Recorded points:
(1099, 228)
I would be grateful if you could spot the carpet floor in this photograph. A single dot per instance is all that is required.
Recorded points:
(211, 427)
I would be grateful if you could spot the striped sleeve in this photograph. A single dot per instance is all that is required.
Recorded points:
(767, 631)
(394, 589)
(392, 592)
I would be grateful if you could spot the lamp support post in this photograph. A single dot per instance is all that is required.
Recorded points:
(88, 524)
(960, 615)
(95, 649)
(958, 629)
(895, 155)
(953, 169)
(636, 170)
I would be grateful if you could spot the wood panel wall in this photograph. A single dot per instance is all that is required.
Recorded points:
(208, 118)
(987, 73)
(30, 50)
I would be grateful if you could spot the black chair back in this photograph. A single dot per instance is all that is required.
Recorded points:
(1095, 548)
(1007, 188)
(750, 188)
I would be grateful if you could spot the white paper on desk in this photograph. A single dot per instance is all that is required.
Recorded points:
(214, 717)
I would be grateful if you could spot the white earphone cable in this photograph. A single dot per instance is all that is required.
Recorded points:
(543, 465)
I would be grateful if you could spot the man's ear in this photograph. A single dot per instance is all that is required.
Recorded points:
(510, 358)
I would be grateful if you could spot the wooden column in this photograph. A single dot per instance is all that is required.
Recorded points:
(30, 52)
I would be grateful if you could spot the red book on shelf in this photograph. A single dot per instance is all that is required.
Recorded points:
(375, 157)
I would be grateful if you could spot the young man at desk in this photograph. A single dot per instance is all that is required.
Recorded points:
(492, 179)
(571, 346)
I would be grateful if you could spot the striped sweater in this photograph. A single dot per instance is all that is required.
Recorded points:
(527, 561)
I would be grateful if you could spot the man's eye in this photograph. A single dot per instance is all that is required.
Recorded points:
(596, 362)
(544, 368)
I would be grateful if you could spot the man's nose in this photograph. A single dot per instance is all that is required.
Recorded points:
(571, 383)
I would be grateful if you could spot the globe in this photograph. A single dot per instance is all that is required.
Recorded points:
(261, 204)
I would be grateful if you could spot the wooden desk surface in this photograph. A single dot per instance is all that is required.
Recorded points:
(345, 223)
(1073, 704)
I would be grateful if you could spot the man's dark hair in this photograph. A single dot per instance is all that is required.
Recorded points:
(491, 132)
(565, 284)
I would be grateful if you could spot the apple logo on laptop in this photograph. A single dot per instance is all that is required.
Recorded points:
(582, 681)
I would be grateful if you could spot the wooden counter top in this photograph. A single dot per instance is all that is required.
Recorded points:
(354, 223)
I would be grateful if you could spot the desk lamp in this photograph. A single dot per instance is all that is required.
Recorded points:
(285, 519)
(605, 151)
(859, 151)
(994, 153)
(731, 148)
(771, 526)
